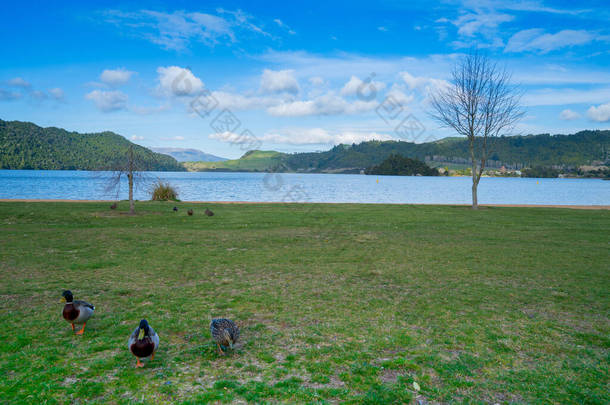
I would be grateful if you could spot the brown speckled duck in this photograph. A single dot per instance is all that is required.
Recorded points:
(76, 312)
(224, 332)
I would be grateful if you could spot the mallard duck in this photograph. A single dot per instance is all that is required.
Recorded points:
(224, 332)
(76, 312)
(190, 212)
(143, 342)
(113, 206)
(175, 209)
(209, 213)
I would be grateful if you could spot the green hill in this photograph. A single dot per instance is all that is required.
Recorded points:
(513, 152)
(24, 145)
(252, 161)
(516, 152)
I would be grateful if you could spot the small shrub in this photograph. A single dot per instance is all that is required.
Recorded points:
(164, 192)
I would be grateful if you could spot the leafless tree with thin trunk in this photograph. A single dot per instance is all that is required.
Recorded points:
(131, 167)
(480, 103)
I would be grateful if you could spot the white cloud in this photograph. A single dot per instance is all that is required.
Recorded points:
(6, 95)
(235, 101)
(116, 77)
(107, 101)
(283, 25)
(57, 93)
(355, 85)
(382, 29)
(316, 81)
(279, 81)
(399, 95)
(137, 138)
(312, 136)
(177, 30)
(479, 21)
(177, 81)
(305, 136)
(426, 85)
(413, 82)
(150, 110)
(569, 115)
(38, 95)
(601, 113)
(19, 82)
(565, 96)
(174, 138)
(328, 104)
(536, 40)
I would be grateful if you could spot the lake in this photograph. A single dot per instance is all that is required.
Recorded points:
(292, 187)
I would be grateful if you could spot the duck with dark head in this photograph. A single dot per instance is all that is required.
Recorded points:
(76, 312)
(143, 342)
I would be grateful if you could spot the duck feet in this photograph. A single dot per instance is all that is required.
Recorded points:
(220, 350)
(139, 363)
(80, 332)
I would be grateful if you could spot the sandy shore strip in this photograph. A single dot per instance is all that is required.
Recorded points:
(575, 207)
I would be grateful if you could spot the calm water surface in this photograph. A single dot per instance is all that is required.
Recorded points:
(208, 186)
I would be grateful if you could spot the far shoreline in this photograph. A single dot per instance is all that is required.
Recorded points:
(568, 206)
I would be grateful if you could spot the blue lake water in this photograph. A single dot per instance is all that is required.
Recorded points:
(217, 186)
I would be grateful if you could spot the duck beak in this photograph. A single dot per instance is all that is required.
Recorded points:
(141, 334)
(62, 299)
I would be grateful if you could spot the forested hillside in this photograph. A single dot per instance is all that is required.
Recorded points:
(513, 151)
(24, 145)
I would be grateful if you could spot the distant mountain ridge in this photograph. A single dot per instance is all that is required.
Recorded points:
(24, 145)
(188, 155)
(514, 152)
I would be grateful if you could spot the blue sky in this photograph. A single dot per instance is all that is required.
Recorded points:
(294, 76)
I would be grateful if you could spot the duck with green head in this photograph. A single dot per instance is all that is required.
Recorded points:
(76, 312)
(143, 342)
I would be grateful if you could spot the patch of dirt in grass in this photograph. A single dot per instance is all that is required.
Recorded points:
(505, 398)
(69, 381)
(388, 376)
(123, 214)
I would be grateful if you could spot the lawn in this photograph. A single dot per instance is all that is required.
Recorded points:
(336, 303)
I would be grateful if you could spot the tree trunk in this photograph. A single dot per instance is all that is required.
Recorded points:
(475, 202)
(132, 208)
(475, 183)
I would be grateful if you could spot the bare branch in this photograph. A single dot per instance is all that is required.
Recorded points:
(480, 104)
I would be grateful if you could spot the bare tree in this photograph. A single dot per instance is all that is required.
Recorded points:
(130, 166)
(480, 103)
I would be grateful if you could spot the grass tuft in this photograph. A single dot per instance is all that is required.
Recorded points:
(163, 191)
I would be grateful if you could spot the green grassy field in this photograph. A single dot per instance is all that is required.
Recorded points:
(337, 303)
